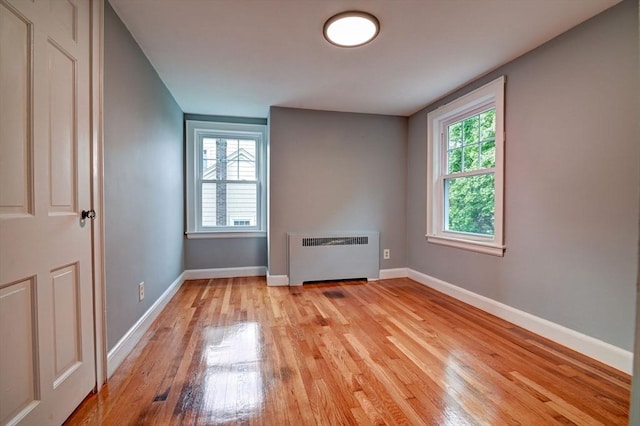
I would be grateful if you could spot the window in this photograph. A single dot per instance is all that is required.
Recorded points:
(465, 171)
(226, 176)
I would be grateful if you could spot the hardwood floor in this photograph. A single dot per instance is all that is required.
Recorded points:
(234, 351)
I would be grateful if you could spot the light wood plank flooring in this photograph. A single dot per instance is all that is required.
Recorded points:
(234, 351)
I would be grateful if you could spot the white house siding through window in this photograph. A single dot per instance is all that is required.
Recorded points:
(229, 182)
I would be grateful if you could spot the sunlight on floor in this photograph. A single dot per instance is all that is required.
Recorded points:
(232, 385)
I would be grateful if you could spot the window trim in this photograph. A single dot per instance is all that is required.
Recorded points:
(195, 131)
(489, 95)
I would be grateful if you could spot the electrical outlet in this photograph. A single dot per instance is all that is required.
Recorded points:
(141, 291)
(386, 254)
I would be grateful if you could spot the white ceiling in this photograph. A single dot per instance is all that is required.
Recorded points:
(238, 57)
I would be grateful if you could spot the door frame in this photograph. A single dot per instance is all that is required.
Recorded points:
(97, 191)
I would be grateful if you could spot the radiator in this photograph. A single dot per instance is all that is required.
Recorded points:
(334, 256)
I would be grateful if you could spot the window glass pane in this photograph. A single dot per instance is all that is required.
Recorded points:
(249, 146)
(488, 155)
(477, 136)
(208, 204)
(208, 155)
(488, 125)
(214, 158)
(470, 130)
(469, 204)
(246, 160)
(455, 135)
(470, 158)
(228, 159)
(225, 204)
(242, 203)
(455, 161)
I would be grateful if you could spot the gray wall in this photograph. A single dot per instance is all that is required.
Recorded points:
(572, 184)
(332, 171)
(634, 417)
(225, 252)
(143, 180)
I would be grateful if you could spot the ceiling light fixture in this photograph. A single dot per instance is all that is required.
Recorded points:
(351, 29)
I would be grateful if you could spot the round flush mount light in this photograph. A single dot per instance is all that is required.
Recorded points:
(351, 29)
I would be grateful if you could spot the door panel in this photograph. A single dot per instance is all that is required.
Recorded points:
(15, 104)
(47, 359)
(62, 138)
(66, 15)
(66, 326)
(18, 335)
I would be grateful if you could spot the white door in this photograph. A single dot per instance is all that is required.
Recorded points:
(46, 316)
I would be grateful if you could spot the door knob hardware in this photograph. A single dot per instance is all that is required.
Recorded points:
(88, 214)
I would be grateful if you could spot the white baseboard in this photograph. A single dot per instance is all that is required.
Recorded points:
(387, 274)
(277, 280)
(131, 338)
(602, 351)
(247, 271)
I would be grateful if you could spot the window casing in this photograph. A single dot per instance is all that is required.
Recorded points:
(226, 179)
(465, 179)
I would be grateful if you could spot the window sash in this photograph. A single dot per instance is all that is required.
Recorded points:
(467, 174)
(213, 135)
(231, 227)
(227, 181)
(446, 208)
(463, 147)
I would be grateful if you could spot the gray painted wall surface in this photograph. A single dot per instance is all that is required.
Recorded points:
(332, 171)
(634, 416)
(143, 180)
(572, 184)
(225, 252)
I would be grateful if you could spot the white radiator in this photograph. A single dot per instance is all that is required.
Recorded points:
(334, 256)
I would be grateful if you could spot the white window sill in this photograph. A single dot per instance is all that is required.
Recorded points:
(234, 234)
(477, 246)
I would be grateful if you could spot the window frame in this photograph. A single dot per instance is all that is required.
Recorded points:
(491, 95)
(196, 131)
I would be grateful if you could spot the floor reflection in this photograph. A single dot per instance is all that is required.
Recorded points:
(459, 383)
(232, 385)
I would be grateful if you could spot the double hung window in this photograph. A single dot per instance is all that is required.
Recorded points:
(465, 179)
(226, 176)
